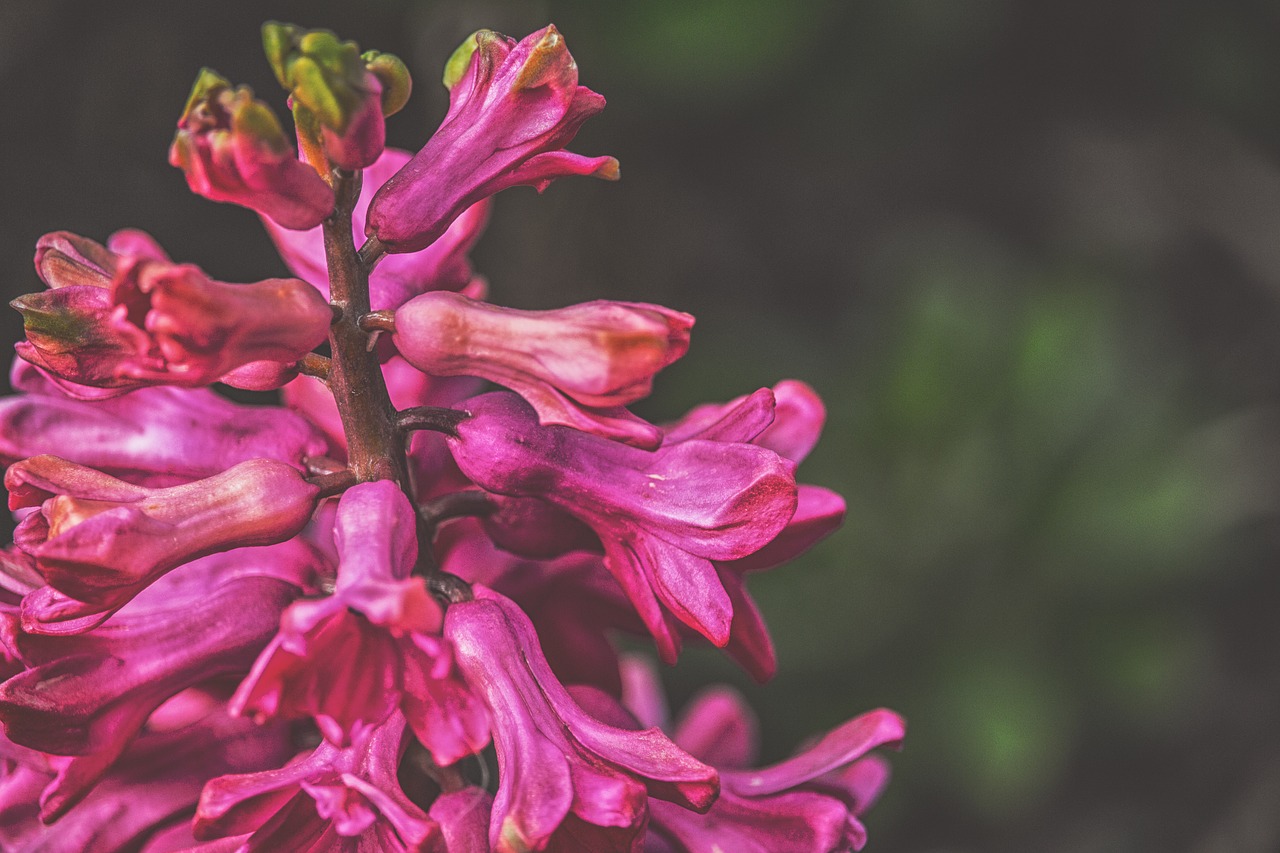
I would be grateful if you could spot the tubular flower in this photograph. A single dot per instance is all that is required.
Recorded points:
(89, 695)
(568, 363)
(510, 115)
(152, 436)
(231, 148)
(160, 323)
(100, 540)
(662, 516)
(320, 801)
(562, 773)
(156, 780)
(352, 658)
(809, 803)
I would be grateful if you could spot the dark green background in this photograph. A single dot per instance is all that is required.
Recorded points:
(1029, 253)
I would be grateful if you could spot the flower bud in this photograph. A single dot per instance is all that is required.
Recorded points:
(162, 323)
(511, 113)
(332, 92)
(567, 362)
(101, 540)
(231, 148)
(394, 77)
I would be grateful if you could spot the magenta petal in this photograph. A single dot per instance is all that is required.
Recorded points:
(719, 728)
(90, 694)
(464, 818)
(740, 420)
(553, 757)
(749, 641)
(155, 436)
(353, 793)
(100, 539)
(515, 102)
(819, 513)
(661, 516)
(566, 362)
(838, 747)
(443, 265)
(792, 822)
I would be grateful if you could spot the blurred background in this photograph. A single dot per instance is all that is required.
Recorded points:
(1026, 251)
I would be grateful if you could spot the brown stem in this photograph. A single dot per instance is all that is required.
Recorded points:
(434, 418)
(333, 483)
(314, 364)
(470, 502)
(450, 589)
(375, 448)
(382, 321)
(371, 252)
(317, 465)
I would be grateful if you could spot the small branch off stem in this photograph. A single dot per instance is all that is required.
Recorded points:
(434, 418)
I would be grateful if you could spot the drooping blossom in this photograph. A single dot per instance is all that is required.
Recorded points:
(809, 802)
(576, 366)
(156, 436)
(332, 799)
(662, 516)
(350, 659)
(787, 420)
(510, 115)
(562, 774)
(88, 695)
(442, 265)
(101, 540)
(155, 781)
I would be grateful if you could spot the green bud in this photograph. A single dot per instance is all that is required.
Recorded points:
(323, 74)
(394, 77)
(457, 64)
(208, 84)
(277, 42)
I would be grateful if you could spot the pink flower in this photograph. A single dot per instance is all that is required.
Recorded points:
(89, 695)
(810, 802)
(352, 658)
(788, 421)
(64, 259)
(562, 774)
(568, 363)
(157, 322)
(442, 265)
(100, 540)
(463, 816)
(156, 780)
(231, 148)
(318, 801)
(663, 517)
(510, 116)
(151, 436)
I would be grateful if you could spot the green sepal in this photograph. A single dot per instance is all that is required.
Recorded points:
(457, 64)
(393, 74)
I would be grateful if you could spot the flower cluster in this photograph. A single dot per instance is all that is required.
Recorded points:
(302, 627)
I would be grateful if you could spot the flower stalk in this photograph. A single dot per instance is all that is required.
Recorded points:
(375, 446)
